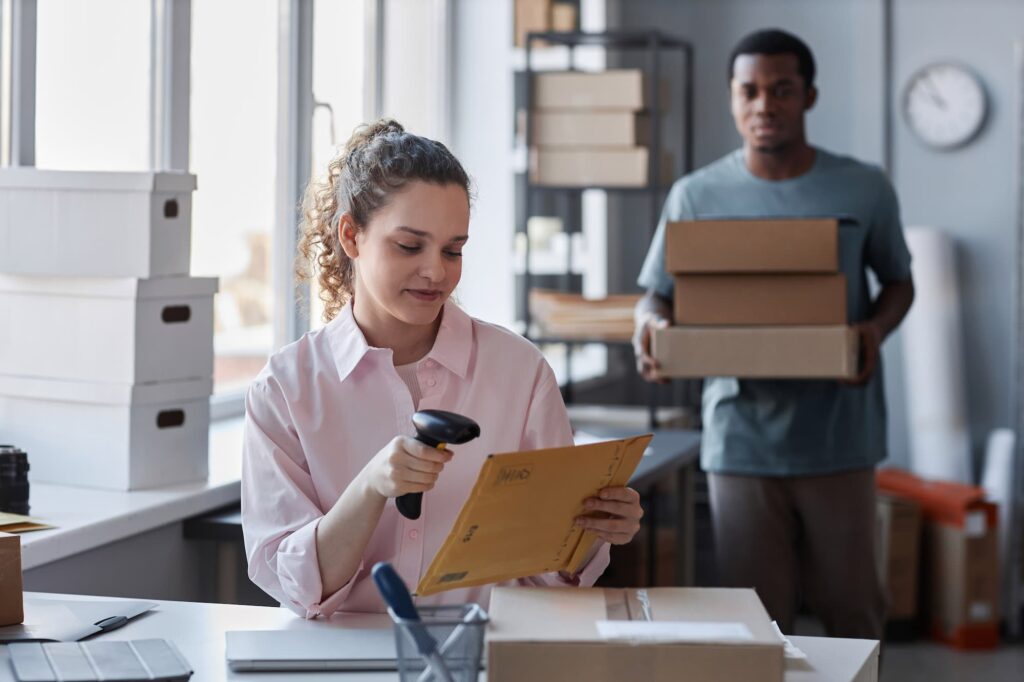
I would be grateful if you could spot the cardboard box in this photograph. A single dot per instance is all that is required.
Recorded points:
(590, 129)
(120, 330)
(95, 224)
(552, 634)
(802, 300)
(531, 16)
(104, 435)
(563, 17)
(752, 246)
(757, 352)
(610, 89)
(899, 545)
(960, 552)
(594, 167)
(12, 610)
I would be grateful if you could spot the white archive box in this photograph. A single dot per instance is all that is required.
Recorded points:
(114, 436)
(95, 223)
(120, 330)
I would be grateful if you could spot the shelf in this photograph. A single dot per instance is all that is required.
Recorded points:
(558, 58)
(603, 188)
(580, 341)
(612, 39)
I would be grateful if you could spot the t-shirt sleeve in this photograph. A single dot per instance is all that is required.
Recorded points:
(653, 275)
(886, 251)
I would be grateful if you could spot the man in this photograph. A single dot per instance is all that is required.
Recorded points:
(791, 463)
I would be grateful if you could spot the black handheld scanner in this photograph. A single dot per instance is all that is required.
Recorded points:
(436, 428)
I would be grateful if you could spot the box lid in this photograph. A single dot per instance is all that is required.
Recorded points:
(110, 287)
(105, 393)
(523, 614)
(140, 181)
(943, 501)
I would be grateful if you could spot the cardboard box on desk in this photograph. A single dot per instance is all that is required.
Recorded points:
(95, 223)
(757, 352)
(12, 611)
(899, 540)
(748, 300)
(552, 634)
(788, 245)
(960, 553)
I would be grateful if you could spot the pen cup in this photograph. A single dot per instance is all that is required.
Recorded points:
(458, 631)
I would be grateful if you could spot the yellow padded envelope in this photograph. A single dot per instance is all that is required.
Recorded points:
(518, 520)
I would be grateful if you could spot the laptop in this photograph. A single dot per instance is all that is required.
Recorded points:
(345, 649)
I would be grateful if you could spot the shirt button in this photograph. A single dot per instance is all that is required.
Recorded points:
(431, 382)
(413, 534)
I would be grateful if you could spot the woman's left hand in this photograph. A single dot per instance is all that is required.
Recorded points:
(616, 515)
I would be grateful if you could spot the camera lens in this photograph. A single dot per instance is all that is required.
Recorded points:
(13, 480)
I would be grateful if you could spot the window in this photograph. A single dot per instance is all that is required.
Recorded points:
(233, 154)
(339, 82)
(93, 85)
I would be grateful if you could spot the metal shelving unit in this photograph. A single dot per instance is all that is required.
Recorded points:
(652, 45)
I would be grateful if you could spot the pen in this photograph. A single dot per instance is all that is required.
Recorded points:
(397, 597)
(111, 623)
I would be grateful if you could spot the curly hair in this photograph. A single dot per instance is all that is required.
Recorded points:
(377, 161)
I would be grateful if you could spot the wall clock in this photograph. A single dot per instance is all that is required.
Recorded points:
(945, 105)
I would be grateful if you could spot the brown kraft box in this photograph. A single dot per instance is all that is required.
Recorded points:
(12, 611)
(604, 128)
(757, 352)
(553, 634)
(752, 246)
(611, 89)
(899, 550)
(807, 300)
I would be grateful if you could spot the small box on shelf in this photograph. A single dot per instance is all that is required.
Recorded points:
(625, 167)
(604, 128)
(621, 89)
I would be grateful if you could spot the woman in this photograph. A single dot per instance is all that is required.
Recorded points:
(386, 229)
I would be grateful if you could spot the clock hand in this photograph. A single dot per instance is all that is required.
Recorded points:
(933, 92)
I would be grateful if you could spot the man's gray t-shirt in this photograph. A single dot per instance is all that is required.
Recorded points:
(795, 427)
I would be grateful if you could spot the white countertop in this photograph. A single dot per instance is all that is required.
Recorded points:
(198, 631)
(86, 518)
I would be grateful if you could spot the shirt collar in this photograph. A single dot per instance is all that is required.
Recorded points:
(451, 347)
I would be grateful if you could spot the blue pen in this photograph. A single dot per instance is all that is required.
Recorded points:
(396, 596)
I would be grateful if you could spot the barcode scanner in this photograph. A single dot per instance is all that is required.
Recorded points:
(437, 429)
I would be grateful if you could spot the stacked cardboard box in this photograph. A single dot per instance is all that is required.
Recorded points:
(106, 367)
(572, 316)
(898, 557)
(589, 129)
(960, 557)
(541, 16)
(756, 298)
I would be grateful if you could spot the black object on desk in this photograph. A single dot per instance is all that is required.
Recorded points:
(13, 480)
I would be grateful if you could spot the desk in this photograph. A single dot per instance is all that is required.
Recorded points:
(198, 631)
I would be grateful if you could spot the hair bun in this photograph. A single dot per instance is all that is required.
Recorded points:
(366, 132)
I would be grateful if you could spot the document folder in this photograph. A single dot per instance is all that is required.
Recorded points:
(519, 518)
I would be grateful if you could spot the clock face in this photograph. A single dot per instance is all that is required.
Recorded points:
(944, 104)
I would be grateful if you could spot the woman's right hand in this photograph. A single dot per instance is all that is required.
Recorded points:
(405, 465)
